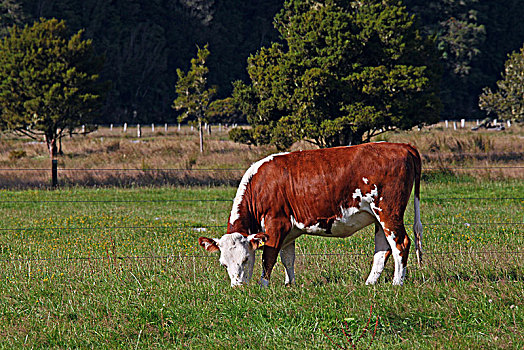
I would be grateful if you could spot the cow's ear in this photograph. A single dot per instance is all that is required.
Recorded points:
(208, 244)
(257, 240)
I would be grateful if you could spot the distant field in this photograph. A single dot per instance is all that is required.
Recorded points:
(120, 268)
(163, 158)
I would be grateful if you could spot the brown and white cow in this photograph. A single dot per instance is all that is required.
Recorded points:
(326, 192)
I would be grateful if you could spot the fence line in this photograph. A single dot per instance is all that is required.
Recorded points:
(221, 200)
(199, 256)
(236, 169)
(57, 228)
(120, 201)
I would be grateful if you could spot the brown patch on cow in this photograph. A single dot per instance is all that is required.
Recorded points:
(208, 244)
(326, 223)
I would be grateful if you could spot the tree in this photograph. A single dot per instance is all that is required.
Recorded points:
(349, 71)
(459, 36)
(194, 95)
(11, 13)
(48, 81)
(508, 100)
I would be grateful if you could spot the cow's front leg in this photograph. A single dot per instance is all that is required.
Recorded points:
(269, 258)
(287, 255)
(276, 229)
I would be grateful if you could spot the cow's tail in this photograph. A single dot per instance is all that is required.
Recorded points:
(417, 225)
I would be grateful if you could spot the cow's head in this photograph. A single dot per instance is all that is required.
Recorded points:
(237, 254)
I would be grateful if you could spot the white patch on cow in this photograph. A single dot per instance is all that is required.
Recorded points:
(314, 230)
(379, 260)
(262, 225)
(368, 197)
(417, 229)
(365, 180)
(351, 220)
(237, 255)
(253, 169)
(400, 269)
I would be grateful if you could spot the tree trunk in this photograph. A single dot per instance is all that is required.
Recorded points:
(201, 136)
(51, 146)
(60, 152)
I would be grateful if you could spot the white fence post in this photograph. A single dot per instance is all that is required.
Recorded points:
(178, 127)
(125, 127)
(509, 123)
(138, 131)
(454, 125)
(463, 123)
(111, 127)
(446, 124)
(165, 127)
(153, 127)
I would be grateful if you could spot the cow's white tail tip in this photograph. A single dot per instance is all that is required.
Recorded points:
(417, 228)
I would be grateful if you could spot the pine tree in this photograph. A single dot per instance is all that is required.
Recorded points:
(507, 102)
(48, 81)
(194, 95)
(348, 71)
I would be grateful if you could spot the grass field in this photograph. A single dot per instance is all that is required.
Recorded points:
(147, 284)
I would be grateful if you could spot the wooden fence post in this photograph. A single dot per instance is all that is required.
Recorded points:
(54, 173)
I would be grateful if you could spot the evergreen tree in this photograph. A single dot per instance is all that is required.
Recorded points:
(507, 101)
(11, 13)
(194, 95)
(48, 81)
(349, 71)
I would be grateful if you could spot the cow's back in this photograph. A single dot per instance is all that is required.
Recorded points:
(315, 185)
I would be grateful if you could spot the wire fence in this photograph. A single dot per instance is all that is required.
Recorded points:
(35, 201)
(494, 167)
(201, 256)
(206, 227)
(217, 200)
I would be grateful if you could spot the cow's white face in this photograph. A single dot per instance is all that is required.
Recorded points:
(237, 254)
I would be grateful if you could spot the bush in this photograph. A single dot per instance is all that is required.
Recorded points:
(241, 135)
(17, 154)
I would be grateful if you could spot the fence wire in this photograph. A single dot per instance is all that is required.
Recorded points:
(234, 169)
(205, 227)
(200, 256)
(435, 199)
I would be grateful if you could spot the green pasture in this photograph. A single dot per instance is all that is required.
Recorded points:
(121, 268)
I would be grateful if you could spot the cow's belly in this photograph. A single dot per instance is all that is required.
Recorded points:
(350, 222)
(346, 226)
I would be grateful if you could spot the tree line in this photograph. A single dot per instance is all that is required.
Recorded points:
(333, 72)
(144, 42)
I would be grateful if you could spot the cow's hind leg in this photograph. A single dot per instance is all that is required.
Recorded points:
(287, 255)
(382, 253)
(399, 242)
